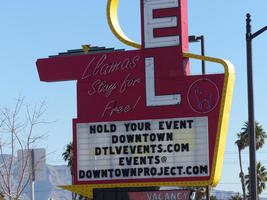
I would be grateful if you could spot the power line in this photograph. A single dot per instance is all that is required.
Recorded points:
(43, 191)
(232, 152)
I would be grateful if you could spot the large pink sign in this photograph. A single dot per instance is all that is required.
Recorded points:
(142, 118)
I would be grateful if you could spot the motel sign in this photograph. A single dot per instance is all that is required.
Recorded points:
(142, 119)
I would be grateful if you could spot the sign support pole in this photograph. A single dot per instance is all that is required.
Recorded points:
(33, 174)
(203, 73)
(203, 65)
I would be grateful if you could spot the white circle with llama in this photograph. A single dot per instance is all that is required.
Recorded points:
(203, 95)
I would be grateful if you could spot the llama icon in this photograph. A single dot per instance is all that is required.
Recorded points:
(203, 96)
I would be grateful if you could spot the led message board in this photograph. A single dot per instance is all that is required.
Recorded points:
(143, 149)
(143, 120)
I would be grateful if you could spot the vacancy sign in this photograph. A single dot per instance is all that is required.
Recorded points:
(142, 119)
(161, 195)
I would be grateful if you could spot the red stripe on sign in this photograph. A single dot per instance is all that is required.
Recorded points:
(163, 32)
(166, 12)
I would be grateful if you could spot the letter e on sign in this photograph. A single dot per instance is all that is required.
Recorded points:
(151, 23)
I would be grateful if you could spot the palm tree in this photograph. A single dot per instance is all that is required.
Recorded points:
(2, 196)
(68, 157)
(260, 134)
(243, 141)
(236, 197)
(213, 198)
(200, 192)
(261, 178)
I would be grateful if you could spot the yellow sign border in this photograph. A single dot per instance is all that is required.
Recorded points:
(113, 22)
(229, 70)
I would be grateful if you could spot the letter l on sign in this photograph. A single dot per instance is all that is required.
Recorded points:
(150, 24)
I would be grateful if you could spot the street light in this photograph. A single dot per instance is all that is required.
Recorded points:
(193, 38)
(251, 120)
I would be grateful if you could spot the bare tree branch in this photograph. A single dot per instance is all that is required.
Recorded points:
(5, 165)
(17, 132)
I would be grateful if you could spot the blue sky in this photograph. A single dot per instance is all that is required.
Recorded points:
(36, 29)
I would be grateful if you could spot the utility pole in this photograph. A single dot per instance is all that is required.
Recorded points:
(251, 121)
